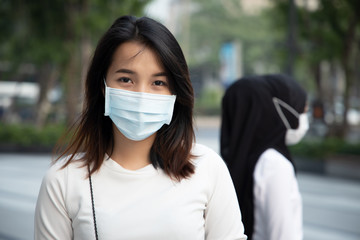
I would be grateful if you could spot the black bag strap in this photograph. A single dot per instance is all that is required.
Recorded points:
(93, 205)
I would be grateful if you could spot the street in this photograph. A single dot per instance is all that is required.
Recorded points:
(331, 205)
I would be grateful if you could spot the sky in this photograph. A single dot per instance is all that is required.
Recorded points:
(158, 9)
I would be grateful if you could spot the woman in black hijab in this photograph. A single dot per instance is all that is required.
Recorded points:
(261, 115)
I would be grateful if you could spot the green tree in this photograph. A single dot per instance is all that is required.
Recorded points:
(328, 32)
(57, 37)
(214, 22)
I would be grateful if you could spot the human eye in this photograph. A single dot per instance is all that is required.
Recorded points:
(160, 83)
(124, 80)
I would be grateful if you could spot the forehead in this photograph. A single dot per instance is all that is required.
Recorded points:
(130, 53)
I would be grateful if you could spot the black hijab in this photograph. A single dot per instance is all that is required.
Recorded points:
(250, 125)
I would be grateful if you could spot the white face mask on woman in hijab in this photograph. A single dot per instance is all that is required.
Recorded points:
(292, 136)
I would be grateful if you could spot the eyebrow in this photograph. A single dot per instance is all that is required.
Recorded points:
(124, 70)
(160, 74)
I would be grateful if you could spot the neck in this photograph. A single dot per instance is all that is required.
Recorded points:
(131, 154)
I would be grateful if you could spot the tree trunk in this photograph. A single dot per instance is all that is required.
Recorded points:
(78, 62)
(48, 75)
(317, 76)
(318, 102)
(72, 90)
(86, 50)
(349, 45)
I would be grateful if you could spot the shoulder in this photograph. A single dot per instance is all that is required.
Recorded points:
(208, 163)
(272, 164)
(202, 149)
(58, 172)
(212, 171)
(206, 155)
(272, 159)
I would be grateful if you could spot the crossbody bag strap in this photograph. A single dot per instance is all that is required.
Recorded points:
(93, 205)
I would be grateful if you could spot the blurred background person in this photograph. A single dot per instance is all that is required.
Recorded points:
(261, 115)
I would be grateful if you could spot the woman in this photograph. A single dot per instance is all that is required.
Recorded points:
(131, 170)
(261, 116)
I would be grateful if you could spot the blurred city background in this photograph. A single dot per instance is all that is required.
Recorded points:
(45, 48)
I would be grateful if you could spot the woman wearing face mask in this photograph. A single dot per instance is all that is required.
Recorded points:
(261, 115)
(132, 169)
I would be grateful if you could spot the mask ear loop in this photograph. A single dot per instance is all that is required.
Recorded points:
(277, 103)
(107, 99)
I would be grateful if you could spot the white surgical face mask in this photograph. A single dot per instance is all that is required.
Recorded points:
(293, 136)
(138, 115)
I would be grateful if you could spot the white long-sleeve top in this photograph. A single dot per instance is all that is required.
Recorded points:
(139, 205)
(277, 200)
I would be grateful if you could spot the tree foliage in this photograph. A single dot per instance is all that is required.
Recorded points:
(328, 33)
(57, 38)
(215, 22)
(325, 45)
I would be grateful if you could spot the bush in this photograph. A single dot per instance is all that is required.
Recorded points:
(209, 102)
(12, 135)
(321, 149)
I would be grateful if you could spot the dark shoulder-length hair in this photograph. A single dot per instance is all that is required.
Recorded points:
(93, 134)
